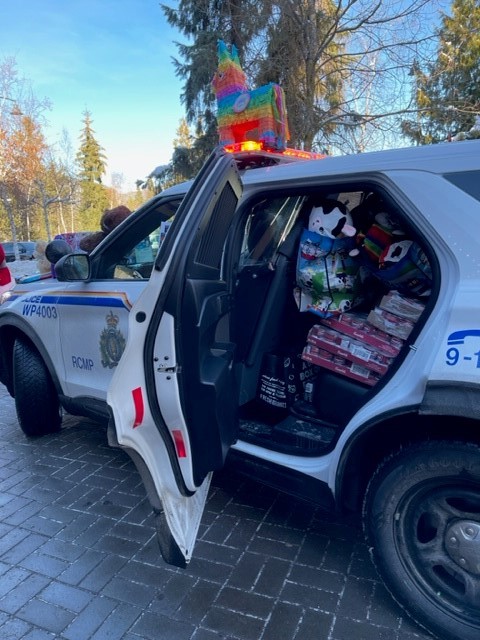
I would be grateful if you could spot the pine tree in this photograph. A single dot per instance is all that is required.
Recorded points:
(342, 65)
(184, 137)
(447, 92)
(91, 161)
(310, 65)
(204, 22)
(90, 157)
(185, 162)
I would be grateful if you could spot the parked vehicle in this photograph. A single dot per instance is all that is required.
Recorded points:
(340, 366)
(26, 250)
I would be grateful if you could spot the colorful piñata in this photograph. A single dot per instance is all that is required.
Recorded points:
(243, 114)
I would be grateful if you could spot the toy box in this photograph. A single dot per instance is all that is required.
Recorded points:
(407, 308)
(390, 323)
(342, 366)
(348, 348)
(356, 326)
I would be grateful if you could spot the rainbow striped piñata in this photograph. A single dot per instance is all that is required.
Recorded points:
(243, 114)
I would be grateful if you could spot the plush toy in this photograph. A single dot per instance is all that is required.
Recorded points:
(326, 272)
(111, 218)
(383, 232)
(331, 219)
(405, 267)
(43, 264)
(394, 253)
(395, 261)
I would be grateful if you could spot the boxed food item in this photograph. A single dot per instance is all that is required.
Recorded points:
(342, 366)
(346, 347)
(390, 323)
(401, 306)
(355, 325)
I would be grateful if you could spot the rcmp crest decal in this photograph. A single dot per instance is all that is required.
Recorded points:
(112, 342)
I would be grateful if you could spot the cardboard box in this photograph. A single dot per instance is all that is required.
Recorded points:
(339, 365)
(356, 326)
(390, 323)
(401, 306)
(341, 345)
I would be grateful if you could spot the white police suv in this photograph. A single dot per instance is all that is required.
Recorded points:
(339, 361)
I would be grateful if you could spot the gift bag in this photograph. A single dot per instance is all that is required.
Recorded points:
(326, 274)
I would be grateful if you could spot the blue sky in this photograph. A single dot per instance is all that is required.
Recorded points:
(112, 57)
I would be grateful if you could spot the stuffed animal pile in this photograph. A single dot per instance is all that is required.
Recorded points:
(339, 255)
(326, 269)
(367, 280)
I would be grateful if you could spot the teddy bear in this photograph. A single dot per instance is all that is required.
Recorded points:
(109, 220)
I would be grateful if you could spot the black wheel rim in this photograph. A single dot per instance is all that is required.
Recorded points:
(443, 567)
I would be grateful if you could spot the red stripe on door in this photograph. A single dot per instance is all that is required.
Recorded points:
(139, 406)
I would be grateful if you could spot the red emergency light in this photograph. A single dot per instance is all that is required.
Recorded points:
(255, 146)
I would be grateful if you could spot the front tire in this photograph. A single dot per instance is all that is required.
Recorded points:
(36, 400)
(422, 521)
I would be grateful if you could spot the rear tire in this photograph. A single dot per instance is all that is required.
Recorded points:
(36, 400)
(422, 521)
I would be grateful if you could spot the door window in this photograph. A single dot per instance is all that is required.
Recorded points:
(468, 181)
(268, 224)
(132, 252)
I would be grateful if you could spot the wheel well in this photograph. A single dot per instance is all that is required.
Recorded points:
(364, 453)
(8, 335)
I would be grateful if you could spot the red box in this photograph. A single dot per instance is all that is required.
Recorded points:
(348, 348)
(356, 326)
(339, 365)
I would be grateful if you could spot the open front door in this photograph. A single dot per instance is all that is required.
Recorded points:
(172, 398)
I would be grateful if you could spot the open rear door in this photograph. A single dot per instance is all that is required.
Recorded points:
(172, 397)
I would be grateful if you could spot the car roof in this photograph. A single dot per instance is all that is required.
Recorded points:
(177, 189)
(434, 158)
(439, 158)
(10, 243)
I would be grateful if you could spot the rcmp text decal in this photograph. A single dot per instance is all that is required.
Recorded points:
(85, 364)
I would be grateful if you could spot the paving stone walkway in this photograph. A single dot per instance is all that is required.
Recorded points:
(79, 559)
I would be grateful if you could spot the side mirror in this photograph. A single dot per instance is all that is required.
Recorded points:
(73, 267)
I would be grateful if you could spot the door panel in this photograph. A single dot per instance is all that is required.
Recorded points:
(173, 394)
(207, 371)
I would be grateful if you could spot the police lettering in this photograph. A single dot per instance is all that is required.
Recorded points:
(40, 310)
(82, 363)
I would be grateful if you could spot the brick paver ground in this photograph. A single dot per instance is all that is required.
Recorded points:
(79, 559)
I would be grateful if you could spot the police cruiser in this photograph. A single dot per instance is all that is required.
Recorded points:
(347, 374)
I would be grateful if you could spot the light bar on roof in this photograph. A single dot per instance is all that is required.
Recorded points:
(254, 145)
(306, 155)
(248, 145)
